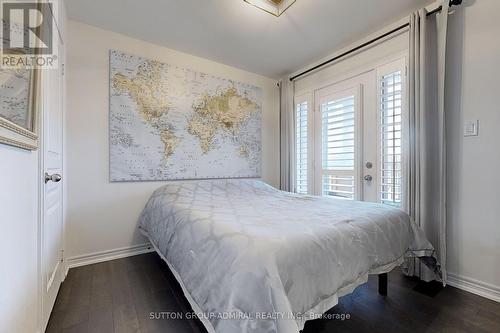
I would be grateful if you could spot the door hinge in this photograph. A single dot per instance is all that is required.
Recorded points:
(62, 255)
(62, 69)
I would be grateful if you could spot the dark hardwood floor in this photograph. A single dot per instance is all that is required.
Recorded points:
(118, 296)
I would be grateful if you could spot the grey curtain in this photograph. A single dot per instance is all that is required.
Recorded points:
(426, 159)
(287, 136)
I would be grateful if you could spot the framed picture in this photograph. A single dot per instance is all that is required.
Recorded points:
(19, 91)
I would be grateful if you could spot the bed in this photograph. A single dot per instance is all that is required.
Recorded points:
(251, 258)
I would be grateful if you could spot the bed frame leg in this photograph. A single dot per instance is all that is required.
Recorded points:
(382, 284)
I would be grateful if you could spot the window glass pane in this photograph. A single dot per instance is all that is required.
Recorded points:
(301, 147)
(338, 147)
(339, 186)
(338, 134)
(390, 135)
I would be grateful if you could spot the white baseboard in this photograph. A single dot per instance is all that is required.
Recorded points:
(96, 257)
(474, 286)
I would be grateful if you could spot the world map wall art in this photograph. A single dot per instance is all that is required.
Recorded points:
(168, 122)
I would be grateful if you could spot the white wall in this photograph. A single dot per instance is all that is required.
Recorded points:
(101, 215)
(18, 240)
(473, 75)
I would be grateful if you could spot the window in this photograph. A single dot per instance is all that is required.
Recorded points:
(350, 135)
(301, 147)
(338, 141)
(391, 99)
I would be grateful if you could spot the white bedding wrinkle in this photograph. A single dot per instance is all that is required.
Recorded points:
(256, 259)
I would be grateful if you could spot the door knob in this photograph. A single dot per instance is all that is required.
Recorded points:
(368, 178)
(56, 178)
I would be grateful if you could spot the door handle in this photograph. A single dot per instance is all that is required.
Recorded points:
(56, 178)
(368, 178)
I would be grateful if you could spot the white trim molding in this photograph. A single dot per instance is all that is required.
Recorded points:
(474, 286)
(97, 257)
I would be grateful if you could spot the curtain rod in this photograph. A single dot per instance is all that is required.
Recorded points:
(357, 48)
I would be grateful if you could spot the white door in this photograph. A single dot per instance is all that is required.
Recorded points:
(345, 139)
(52, 193)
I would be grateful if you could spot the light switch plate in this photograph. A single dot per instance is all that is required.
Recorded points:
(471, 128)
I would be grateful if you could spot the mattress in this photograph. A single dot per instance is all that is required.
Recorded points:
(251, 258)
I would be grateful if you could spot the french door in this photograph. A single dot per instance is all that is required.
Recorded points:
(344, 148)
(348, 137)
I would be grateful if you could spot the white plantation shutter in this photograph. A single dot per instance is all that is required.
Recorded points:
(301, 146)
(391, 102)
(338, 136)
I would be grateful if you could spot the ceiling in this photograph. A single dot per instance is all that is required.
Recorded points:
(237, 34)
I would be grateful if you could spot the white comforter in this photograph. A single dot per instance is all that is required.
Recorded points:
(255, 259)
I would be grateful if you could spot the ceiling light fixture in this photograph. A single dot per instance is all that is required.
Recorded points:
(275, 7)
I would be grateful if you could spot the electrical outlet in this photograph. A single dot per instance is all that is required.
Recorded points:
(471, 128)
